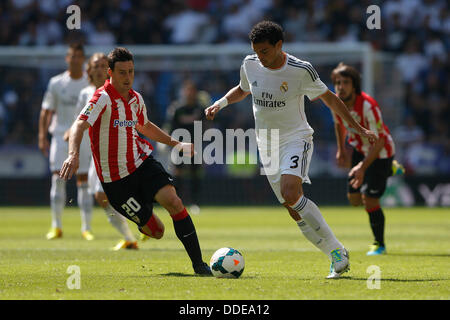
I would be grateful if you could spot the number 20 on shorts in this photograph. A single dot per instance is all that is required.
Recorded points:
(131, 207)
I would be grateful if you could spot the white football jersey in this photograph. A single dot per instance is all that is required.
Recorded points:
(83, 99)
(278, 95)
(61, 97)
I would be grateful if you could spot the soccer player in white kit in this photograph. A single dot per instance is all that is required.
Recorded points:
(57, 114)
(278, 83)
(97, 68)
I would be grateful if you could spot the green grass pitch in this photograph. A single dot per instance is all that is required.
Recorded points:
(280, 263)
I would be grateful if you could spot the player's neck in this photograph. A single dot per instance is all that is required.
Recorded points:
(350, 103)
(76, 74)
(279, 62)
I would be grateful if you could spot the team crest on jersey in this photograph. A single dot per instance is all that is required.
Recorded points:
(284, 87)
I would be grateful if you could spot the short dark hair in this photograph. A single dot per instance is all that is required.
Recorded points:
(348, 72)
(117, 55)
(75, 46)
(266, 31)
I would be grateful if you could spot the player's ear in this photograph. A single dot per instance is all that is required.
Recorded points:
(109, 72)
(279, 44)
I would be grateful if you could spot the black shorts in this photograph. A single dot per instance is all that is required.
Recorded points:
(375, 177)
(133, 196)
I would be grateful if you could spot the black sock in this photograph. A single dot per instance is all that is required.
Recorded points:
(376, 218)
(185, 231)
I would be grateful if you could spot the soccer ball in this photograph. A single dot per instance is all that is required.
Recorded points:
(227, 263)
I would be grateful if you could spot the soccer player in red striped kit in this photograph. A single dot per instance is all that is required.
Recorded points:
(131, 178)
(371, 163)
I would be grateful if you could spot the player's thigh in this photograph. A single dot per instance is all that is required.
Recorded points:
(157, 185)
(124, 195)
(58, 152)
(295, 159)
(168, 198)
(375, 178)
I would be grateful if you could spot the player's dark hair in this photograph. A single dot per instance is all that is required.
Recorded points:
(266, 31)
(76, 46)
(348, 72)
(119, 54)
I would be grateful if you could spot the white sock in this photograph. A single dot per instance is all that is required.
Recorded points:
(57, 200)
(311, 235)
(310, 213)
(85, 202)
(119, 222)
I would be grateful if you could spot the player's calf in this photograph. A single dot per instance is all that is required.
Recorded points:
(154, 228)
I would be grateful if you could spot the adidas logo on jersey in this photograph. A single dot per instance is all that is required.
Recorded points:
(255, 84)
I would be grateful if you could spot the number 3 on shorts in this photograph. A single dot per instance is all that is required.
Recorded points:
(295, 161)
(131, 207)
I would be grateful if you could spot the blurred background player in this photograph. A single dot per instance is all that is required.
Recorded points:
(131, 177)
(278, 82)
(57, 113)
(371, 163)
(97, 73)
(181, 114)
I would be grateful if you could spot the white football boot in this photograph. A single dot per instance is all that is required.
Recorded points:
(340, 263)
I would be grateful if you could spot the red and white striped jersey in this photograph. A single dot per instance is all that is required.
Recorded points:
(368, 114)
(116, 146)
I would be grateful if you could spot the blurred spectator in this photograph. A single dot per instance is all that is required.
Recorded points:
(411, 61)
(185, 24)
(101, 36)
(414, 31)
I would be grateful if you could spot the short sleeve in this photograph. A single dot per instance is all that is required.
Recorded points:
(93, 108)
(142, 114)
(311, 85)
(49, 101)
(244, 81)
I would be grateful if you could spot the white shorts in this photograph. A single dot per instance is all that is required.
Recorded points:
(294, 158)
(94, 182)
(59, 150)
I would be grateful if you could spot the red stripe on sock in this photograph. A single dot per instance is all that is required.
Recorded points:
(180, 216)
(153, 225)
(373, 209)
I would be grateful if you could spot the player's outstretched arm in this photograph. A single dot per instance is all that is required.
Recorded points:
(153, 132)
(70, 165)
(236, 94)
(44, 122)
(336, 105)
(342, 158)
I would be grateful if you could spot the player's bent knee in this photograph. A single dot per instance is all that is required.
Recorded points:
(354, 199)
(290, 196)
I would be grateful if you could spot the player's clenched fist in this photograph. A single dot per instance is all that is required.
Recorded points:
(211, 111)
(69, 167)
(187, 148)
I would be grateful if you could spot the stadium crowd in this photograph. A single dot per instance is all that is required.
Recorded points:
(416, 31)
